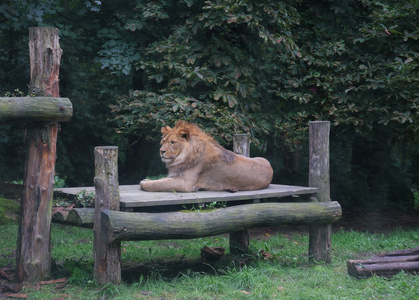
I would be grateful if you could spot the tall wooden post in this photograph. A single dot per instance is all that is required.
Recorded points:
(320, 241)
(107, 266)
(33, 257)
(239, 240)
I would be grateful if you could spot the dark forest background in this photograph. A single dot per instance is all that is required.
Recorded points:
(264, 67)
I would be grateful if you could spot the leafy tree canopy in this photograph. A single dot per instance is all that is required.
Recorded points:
(272, 65)
(266, 67)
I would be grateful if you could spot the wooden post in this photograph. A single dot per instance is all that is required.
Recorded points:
(241, 144)
(239, 240)
(107, 265)
(320, 241)
(33, 254)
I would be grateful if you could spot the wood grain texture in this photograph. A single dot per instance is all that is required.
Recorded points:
(37, 109)
(119, 226)
(320, 241)
(107, 257)
(33, 254)
(131, 196)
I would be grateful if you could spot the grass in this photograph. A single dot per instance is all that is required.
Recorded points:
(9, 210)
(285, 275)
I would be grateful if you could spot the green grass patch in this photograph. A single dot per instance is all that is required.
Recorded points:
(9, 211)
(284, 274)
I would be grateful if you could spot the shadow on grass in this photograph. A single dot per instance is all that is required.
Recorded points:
(169, 269)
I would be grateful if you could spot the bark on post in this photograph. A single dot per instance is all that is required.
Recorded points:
(34, 109)
(107, 266)
(124, 226)
(33, 257)
(320, 241)
(239, 240)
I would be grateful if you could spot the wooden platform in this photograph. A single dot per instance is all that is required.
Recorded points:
(132, 196)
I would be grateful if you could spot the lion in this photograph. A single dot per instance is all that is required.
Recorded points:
(195, 161)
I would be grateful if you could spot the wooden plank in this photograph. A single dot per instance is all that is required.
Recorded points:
(131, 196)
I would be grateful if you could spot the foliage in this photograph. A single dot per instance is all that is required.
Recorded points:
(203, 68)
(252, 57)
(370, 79)
(136, 110)
(264, 67)
(204, 207)
(90, 89)
(82, 199)
(85, 199)
(269, 68)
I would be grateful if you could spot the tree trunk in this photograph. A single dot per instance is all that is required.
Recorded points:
(35, 109)
(320, 236)
(107, 266)
(33, 257)
(119, 226)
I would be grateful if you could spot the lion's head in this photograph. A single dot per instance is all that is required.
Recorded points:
(182, 144)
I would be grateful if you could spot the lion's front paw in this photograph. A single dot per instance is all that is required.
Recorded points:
(142, 182)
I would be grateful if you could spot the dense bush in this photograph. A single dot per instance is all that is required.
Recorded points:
(264, 67)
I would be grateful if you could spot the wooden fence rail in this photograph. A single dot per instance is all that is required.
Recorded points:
(120, 226)
(35, 109)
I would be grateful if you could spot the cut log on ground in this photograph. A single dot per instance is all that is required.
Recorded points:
(120, 226)
(82, 216)
(386, 265)
(60, 216)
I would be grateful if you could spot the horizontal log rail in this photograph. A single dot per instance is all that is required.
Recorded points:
(120, 226)
(48, 109)
(83, 217)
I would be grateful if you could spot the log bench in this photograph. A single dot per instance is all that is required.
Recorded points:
(147, 209)
(128, 213)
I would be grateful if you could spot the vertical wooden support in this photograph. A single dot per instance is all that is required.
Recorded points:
(239, 240)
(33, 256)
(107, 265)
(320, 244)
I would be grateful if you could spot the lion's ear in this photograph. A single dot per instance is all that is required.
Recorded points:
(165, 130)
(184, 134)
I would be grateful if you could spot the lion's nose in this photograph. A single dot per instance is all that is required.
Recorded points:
(162, 152)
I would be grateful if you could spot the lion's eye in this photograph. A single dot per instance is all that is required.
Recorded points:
(172, 142)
